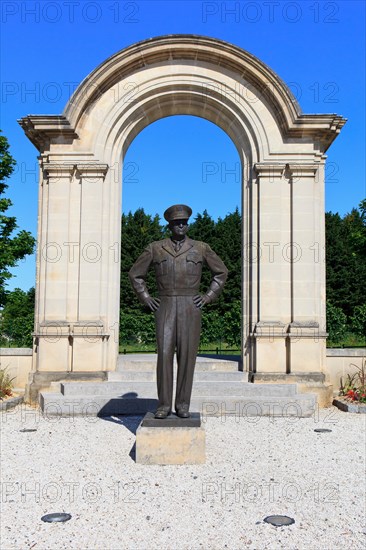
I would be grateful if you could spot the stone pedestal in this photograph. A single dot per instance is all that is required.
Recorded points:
(171, 441)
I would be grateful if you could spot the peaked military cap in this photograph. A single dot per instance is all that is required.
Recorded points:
(177, 212)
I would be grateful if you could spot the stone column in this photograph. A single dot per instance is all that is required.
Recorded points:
(307, 328)
(90, 332)
(58, 189)
(272, 268)
(70, 330)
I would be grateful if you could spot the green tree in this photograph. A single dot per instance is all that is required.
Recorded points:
(336, 323)
(346, 259)
(212, 327)
(356, 223)
(137, 327)
(358, 321)
(138, 230)
(17, 318)
(203, 228)
(136, 322)
(232, 323)
(12, 247)
(228, 245)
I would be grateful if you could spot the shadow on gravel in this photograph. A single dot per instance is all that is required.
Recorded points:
(132, 454)
(129, 422)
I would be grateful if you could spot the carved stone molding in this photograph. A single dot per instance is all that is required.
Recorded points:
(302, 170)
(93, 170)
(306, 330)
(70, 329)
(42, 129)
(68, 170)
(56, 171)
(270, 329)
(270, 169)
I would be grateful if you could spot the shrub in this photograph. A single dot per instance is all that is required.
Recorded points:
(6, 384)
(212, 327)
(354, 387)
(232, 324)
(137, 327)
(358, 320)
(336, 323)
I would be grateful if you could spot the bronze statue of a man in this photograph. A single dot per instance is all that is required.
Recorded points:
(178, 265)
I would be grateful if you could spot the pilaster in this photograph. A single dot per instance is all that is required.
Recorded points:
(273, 267)
(307, 336)
(70, 329)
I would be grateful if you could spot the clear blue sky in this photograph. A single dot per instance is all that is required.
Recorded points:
(317, 48)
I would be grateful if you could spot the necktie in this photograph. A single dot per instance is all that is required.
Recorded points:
(177, 245)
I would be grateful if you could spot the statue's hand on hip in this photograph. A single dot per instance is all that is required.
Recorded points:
(201, 301)
(152, 303)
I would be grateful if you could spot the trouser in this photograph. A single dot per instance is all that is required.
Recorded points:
(178, 327)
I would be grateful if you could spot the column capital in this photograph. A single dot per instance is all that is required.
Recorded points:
(269, 169)
(69, 170)
(92, 169)
(60, 170)
(302, 169)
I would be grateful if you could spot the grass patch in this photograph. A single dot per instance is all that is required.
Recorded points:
(218, 348)
(350, 340)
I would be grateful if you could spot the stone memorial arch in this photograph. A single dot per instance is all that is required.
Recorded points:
(282, 152)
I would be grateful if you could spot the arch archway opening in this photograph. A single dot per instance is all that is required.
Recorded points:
(183, 159)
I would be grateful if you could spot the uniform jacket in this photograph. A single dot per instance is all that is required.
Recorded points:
(178, 273)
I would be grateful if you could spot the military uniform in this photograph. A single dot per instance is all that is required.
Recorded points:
(178, 319)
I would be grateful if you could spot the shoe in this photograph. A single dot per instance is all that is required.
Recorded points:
(183, 411)
(162, 413)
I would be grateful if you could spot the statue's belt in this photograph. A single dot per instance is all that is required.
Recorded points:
(179, 292)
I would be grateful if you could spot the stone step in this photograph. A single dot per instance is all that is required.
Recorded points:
(220, 388)
(137, 362)
(150, 376)
(299, 405)
(200, 388)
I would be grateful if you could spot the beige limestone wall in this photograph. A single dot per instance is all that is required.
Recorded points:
(18, 362)
(340, 362)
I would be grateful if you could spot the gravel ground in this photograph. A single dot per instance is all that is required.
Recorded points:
(255, 467)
